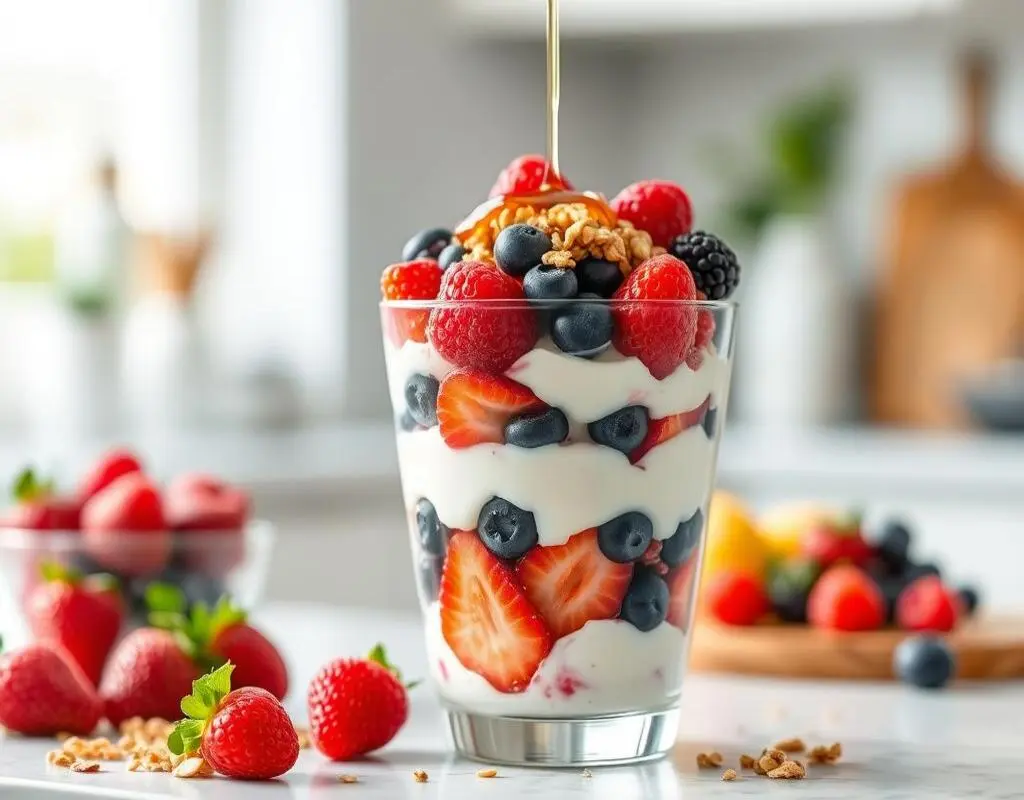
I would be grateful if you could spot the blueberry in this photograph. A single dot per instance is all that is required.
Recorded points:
(625, 538)
(426, 244)
(428, 577)
(549, 283)
(421, 398)
(519, 248)
(924, 661)
(912, 572)
(452, 254)
(622, 430)
(505, 529)
(406, 422)
(893, 545)
(709, 422)
(537, 430)
(790, 584)
(969, 599)
(582, 329)
(646, 601)
(599, 277)
(433, 534)
(891, 586)
(680, 545)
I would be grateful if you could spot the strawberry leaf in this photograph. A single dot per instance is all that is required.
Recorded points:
(379, 655)
(208, 691)
(186, 737)
(55, 571)
(165, 597)
(28, 487)
(194, 708)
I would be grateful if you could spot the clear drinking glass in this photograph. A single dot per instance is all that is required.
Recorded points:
(556, 515)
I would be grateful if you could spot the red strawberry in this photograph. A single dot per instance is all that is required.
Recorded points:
(410, 280)
(147, 676)
(846, 599)
(207, 505)
(486, 619)
(928, 605)
(257, 662)
(124, 526)
(661, 335)
(108, 469)
(42, 692)
(242, 734)
(473, 335)
(703, 337)
(474, 407)
(530, 174)
(356, 706)
(662, 429)
(736, 598)
(835, 541)
(661, 208)
(573, 583)
(681, 592)
(82, 615)
(37, 508)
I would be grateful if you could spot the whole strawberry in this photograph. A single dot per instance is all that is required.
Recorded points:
(37, 507)
(215, 512)
(409, 280)
(42, 693)
(530, 174)
(244, 734)
(356, 706)
(124, 526)
(111, 466)
(83, 615)
(661, 208)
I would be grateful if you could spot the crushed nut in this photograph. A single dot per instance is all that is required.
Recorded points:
(788, 770)
(193, 767)
(748, 762)
(771, 759)
(729, 775)
(490, 772)
(62, 735)
(85, 766)
(74, 745)
(346, 778)
(825, 754)
(305, 742)
(794, 745)
(420, 776)
(587, 774)
(711, 760)
(60, 758)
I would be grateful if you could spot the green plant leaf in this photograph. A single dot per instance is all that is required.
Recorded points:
(220, 679)
(174, 740)
(28, 486)
(55, 571)
(379, 656)
(186, 737)
(167, 620)
(165, 597)
(193, 708)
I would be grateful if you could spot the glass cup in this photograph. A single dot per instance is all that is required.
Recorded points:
(556, 514)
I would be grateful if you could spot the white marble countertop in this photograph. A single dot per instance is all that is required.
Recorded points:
(899, 743)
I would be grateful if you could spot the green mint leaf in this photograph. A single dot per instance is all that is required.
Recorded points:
(220, 679)
(193, 708)
(165, 597)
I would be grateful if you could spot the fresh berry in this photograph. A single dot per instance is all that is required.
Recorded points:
(735, 598)
(198, 502)
(257, 661)
(924, 661)
(715, 268)
(710, 423)
(108, 469)
(410, 280)
(472, 335)
(431, 532)
(662, 334)
(518, 248)
(82, 615)
(702, 339)
(452, 254)
(837, 540)
(661, 208)
(474, 407)
(356, 706)
(582, 329)
(598, 277)
(626, 537)
(789, 587)
(42, 693)
(663, 429)
(537, 429)
(528, 175)
(892, 546)
(927, 605)
(681, 545)
(428, 577)
(969, 600)
(421, 399)
(681, 593)
(486, 619)
(891, 587)
(647, 600)
(243, 734)
(845, 598)
(37, 508)
(622, 430)
(550, 283)
(124, 527)
(507, 530)
(428, 243)
(652, 557)
(573, 583)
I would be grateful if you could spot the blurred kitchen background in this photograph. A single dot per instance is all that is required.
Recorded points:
(197, 198)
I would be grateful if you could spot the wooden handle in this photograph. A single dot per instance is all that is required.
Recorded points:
(977, 78)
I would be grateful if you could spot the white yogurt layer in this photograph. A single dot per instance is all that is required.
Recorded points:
(605, 667)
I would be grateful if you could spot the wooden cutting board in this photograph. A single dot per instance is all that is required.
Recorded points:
(952, 299)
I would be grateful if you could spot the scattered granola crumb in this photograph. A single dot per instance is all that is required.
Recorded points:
(62, 736)
(587, 773)
(825, 754)
(729, 775)
(711, 760)
(490, 772)
(346, 778)
(771, 759)
(420, 776)
(794, 745)
(788, 770)
(305, 742)
(193, 767)
(60, 758)
(748, 762)
(85, 766)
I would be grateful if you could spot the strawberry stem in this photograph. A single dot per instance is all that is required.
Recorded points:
(379, 656)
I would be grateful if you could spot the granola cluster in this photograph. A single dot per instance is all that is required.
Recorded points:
(776, 762)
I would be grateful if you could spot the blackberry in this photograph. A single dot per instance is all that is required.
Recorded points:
(713, 264)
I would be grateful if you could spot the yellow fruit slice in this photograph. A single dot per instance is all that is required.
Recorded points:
(733, 541)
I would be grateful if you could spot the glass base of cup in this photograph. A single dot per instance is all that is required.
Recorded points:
(628, 738)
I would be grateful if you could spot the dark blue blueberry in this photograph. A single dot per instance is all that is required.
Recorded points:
(599, 277)
(428, 577)
(969, 599)
(406, 422)
(433, 534)
(646, 601)
(549, 283)
(426, 244)
(914, 571)
(680, 545)
(519, 248)
(622, 430)
(893, 546)
(421, 398)
(505, 529)
(537, 430)
(924, 661)
(625, 538)
(790, 584)
(709, 422)
(452, 254)
(582, 329)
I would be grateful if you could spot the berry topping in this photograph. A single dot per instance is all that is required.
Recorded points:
(474, 336)
(428, 243)
(582, 329)
(661, 208)
(411, 280)
(598, 277)
(528, 175)
(647, 599)
(927, 605)
(573, 583)
(924, 661)
(624, 538)
(421, 399)
(486, 619)
(663, 429)
(681, 591)
(519, 248)
(735, 598)
(433, 534)
(789, 587)
(452, 254)
(969, 600)
(892, 547)
(661, 335)
(506, 529)
(622, 430)
(550, 283)
(681, 544)
(474, 407)
(713, 264)
(538, 429)
(846, 599)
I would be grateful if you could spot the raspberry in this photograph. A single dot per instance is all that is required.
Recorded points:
(736, 598)
(846, 599)
(475, 336)
(661, 335)
(528, 175)
(927, 605)
(409, 280)
(661, 208)
(705, 332)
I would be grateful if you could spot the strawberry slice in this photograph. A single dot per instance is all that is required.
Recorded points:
(573, 583)
(474, 407)
(680, 593)
(662, 429)
(486, 619)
